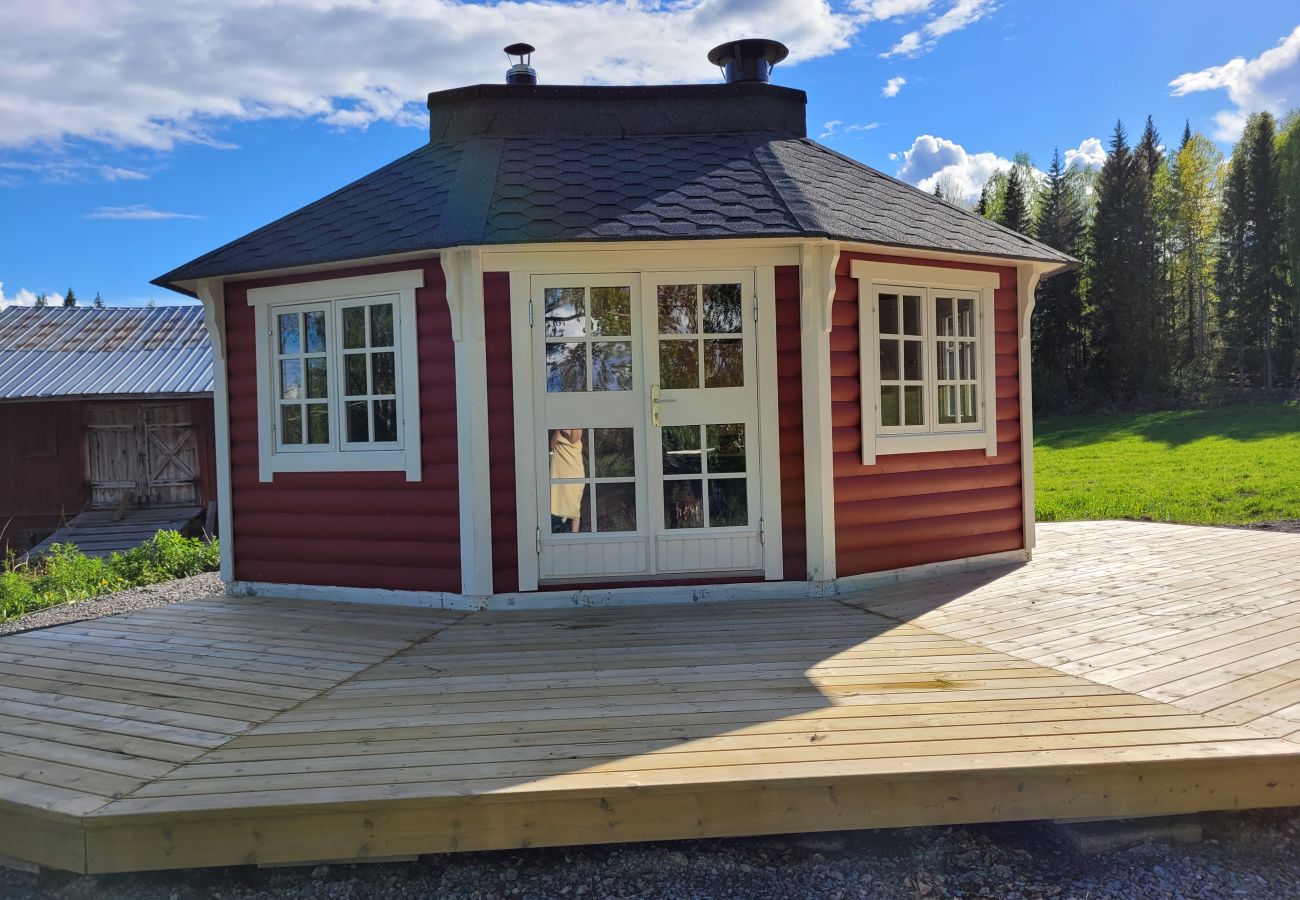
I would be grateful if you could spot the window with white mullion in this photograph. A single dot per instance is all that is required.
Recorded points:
(301, 371)
(957, 394)
(901, 326)
(369, 373)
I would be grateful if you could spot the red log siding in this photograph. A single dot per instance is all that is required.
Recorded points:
(919, 508)
(789, 393)
(349, 529)
(501, 431)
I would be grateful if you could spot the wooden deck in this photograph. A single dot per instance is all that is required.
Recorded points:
(1129, 670)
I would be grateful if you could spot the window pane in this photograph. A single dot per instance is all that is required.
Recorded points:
(945, 367)
(566, 368)
(318, 423)
(291, 424)
(944, 323)
(912, 361)
(722, 308)
(889, 409)
(354, 375)
(567, 451)
(681, 445)
(677, 312)
(383, 378)
(947, 404)
(611, 365)
(385, 420)
(684, 504)
(968, 361)
(679, 364)
(381, 325)
(911, 315)
(290, 379)
(611, 311)
(912, 406)
(570, 509)
(888, 313)
(724, 363)
(968, 405)
(565, 312)
(317, 377)
(315, 332)
(726, 445)
(358, 422)
(354, 328)
(889, 359)
(616, 506)
(728, 506)
(966, 318)
(615, 450)
(290, 333)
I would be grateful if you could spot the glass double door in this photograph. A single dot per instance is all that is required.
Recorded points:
(647, 404)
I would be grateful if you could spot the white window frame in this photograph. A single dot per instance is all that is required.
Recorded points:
(332, 295)
(874, 278)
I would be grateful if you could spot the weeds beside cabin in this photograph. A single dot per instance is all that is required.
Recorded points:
(605, 344)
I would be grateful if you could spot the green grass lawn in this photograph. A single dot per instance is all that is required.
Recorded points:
(1228, 465)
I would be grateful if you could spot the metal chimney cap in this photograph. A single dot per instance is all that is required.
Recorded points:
(749, 48)
(520, 49)
(520, 72)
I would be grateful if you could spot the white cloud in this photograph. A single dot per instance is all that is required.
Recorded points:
(877, 10)
(61, 169)
(1090, 154)
(893, 86)
(135, 212)
(865, 126)
(961, 14)
(837, 128)
(1268, 83)
(828, 128)
(933, 159)
(25, 297)
(893, 157)
(117, 173)
(148, 74)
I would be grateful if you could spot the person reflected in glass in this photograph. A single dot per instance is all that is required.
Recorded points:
(567, 461)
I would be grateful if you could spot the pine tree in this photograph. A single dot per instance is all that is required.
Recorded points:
(99, 301)
(938, 191)
(1192, 208)
(70, 298)
(984, 204)
(41, 300)
(1059, 332)
(1152, 302)
(1187, 134)
(1014, 213)
(1288, 153)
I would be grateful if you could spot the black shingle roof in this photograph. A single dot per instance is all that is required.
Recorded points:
(511, 165)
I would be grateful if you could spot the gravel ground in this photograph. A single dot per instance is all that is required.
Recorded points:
(160, 594)
(1291, 526)
(1246, 855)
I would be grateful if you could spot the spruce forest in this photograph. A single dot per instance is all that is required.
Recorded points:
(1189, 292)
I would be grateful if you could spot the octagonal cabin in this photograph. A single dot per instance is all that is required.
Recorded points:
(619, 344)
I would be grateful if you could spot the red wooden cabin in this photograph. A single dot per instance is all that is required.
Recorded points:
(608, 344)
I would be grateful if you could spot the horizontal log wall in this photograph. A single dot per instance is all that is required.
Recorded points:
(917, 508)
(349, 529)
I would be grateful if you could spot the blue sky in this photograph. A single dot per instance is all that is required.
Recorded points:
(137, 135)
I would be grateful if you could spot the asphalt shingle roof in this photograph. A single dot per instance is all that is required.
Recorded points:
(495, 187)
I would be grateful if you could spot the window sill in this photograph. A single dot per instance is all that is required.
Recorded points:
(930, 443)
(351, 461)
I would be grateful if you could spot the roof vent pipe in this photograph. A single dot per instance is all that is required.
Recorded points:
(749, 60)
(520, 72)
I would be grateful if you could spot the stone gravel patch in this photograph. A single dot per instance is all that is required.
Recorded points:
(150, 595)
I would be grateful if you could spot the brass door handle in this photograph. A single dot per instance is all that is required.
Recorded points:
(655, 400)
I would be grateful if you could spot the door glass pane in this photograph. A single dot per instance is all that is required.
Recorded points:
(354, 375)
(358, 422)
(722, 308)
(318, 423)
(911, 315)
(616, 506)
(315, 332)
(944, 323)
(728, 506)
(912, 360)
(726, 445)
(684, 504)
(383, 378)
(615, 452)
(385, 420)
(915, 414)
(568, 459)
(611, 365)
(290, 335)
(565, 312)
(317, 377)
(679, 365)
(966, 318)
(291, 424)
(611, 311)
(677, 309)
(888, 313)
(570, 508)
(381, 325)
(354, 328)
(291, 379)
(947, 404)
(724, 363)
(889, 408)
(566, 368)
(889, 359)
(681, 445)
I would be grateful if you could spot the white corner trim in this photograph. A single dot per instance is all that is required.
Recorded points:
(338, 288)
(769, 425)
(817, 284)
(1027, 277)
(521, 363)
(213, 296)
(464, 272)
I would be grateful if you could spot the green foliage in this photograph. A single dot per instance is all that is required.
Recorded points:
(1060, 339)
(1014, 213)
(1219, 466)
(65, 574)
(70, 298)
(99, 301)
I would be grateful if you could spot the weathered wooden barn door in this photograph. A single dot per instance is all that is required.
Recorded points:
(144, 453)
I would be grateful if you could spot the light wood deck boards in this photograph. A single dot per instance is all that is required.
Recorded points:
(1099, 680)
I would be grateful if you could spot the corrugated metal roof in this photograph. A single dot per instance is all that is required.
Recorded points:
(80, 352)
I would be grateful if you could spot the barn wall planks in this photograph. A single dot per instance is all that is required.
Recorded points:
(349, 529)
(919, 508)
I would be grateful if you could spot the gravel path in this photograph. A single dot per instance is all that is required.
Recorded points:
(160, 594)
(1249, 855)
